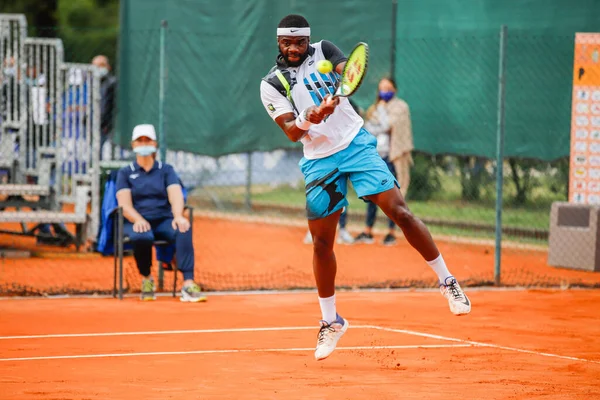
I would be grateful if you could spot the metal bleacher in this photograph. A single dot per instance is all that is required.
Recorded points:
(49, 136)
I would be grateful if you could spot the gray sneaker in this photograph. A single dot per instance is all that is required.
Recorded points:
(148, 290)
(344, 237)
(192, 293)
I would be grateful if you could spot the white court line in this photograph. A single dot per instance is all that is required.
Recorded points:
(283, 350)
(177, 332)
(291, 328)
(479, 344)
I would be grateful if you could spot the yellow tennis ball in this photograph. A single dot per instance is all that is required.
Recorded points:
(324, 66)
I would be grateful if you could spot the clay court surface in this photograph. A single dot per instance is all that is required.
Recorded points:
(250, 254)
(516, 344)
(401, 345)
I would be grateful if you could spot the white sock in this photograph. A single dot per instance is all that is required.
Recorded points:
(439, 266)
(328, 308)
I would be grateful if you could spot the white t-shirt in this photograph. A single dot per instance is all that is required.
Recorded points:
(308, 88)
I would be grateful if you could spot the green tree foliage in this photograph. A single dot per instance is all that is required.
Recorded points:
(473, 176)
(87, 27)
(522, 177)
(40, 14)
(424, 178)
(559, 182)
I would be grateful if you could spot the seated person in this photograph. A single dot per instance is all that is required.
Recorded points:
(152, 199)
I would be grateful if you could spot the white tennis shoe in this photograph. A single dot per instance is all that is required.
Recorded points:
(457, 299)
(328, 336)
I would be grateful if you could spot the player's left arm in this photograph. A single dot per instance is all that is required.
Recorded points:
(175, 196)
(174, 191)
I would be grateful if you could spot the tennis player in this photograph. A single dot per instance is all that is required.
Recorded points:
(337, 148)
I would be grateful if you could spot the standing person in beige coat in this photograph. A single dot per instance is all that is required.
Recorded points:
(401, 136)
(388, 119)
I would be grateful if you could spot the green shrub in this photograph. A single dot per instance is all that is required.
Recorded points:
(424, 178)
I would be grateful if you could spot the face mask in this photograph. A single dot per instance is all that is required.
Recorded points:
(103, 71)
(145, 150)
(386, 96)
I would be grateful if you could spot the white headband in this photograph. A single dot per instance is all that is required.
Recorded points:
(293, 31)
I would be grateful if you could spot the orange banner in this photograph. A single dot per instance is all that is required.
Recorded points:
(584, 186)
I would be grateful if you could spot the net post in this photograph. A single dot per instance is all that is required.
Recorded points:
(500, 151)
(393, 41)
(161, 276)
(161, 92)
(248, 195)
(120, 249)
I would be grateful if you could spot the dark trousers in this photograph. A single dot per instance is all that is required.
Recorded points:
(344, 218)
(161, 230)
(372, 208)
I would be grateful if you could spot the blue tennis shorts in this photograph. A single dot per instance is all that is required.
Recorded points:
(327, 178)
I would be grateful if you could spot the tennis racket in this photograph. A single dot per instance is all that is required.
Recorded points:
(354, 71)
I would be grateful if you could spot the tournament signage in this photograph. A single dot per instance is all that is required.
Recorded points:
(584, 179)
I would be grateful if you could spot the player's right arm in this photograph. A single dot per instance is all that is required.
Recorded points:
(125, 201)
(282, 112)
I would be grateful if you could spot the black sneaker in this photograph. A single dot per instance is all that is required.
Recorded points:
(389, 240)
(364, 238)
(49, 240)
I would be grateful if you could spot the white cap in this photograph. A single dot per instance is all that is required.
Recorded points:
(146, 130)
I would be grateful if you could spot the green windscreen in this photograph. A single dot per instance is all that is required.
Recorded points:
(446, 66)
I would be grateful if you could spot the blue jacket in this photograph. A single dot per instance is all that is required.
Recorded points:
(105, 240)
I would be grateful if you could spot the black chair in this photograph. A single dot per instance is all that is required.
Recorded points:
(120, 240)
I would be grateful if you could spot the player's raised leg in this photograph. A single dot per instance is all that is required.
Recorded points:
(393, 205)
(323, 231)
(333, 326)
